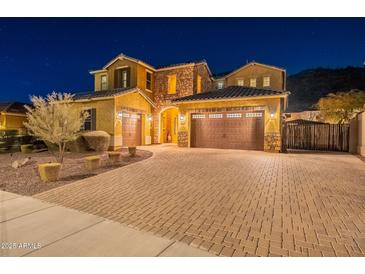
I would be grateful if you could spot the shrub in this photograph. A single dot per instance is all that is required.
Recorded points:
(78, 145)
(55, 120)
(97, 140)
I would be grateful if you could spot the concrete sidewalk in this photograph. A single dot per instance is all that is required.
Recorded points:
(29, 227)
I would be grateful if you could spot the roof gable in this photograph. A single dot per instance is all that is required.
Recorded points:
(109, 94)
(123, 57)
(13, 107)
(249, 65)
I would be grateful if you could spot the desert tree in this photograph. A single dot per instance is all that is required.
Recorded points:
(341, 107)
(54, 119)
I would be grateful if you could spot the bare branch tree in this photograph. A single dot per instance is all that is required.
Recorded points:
(54, 119)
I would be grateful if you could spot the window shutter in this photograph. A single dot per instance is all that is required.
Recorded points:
(117, 78)
(93, 119)
(128, 77)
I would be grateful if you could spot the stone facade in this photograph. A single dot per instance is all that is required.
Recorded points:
(272, 142)
(183, 139)
(186, 79)
(184, 85)
(206, 80)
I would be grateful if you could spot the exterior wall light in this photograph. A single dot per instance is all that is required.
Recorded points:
(182, 117)
(120, 114)
(272, 115)
(150, 118)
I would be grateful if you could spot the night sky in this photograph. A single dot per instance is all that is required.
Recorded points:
(38, 56)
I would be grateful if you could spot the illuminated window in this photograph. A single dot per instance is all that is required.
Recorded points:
(104, 82)
(253, 82)
(198, 84)
(148, 80)
(266, 82)
(240, 82)
(122, 78)
(220, 85)
(171, 84)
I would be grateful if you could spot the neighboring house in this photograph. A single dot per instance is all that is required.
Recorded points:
(12, 116)
(137, 104)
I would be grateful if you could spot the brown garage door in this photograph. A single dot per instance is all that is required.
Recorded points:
(231, 130)
(131, 129)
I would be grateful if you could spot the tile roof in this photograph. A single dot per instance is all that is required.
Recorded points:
(99, 94)
(12, 107)
(231, 92)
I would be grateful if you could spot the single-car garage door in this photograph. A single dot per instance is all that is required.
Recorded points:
(131, 129)
(230, 130)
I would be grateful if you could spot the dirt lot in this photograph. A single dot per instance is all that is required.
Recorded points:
(26, 181)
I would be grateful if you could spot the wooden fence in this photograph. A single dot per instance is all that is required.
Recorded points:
(316, 136)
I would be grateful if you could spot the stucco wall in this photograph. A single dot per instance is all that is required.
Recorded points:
(136, 103)
(270, 105)
(12, 122)
(353, 136)
(107, 115)
(361, 134)
(277, 77)
(137, 75)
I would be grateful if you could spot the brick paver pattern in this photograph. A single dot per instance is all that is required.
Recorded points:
(234, 203)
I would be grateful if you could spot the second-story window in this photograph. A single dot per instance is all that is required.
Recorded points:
(253, 82)
(122, 78)
(240, 82)
(171, 84)
(148, 80)
(198, 84)
(220, 85)
(104, 82)
(266, 81)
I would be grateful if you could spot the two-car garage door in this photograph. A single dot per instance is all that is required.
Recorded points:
(230, 130)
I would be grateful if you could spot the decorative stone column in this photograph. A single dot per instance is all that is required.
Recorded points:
(272, 142)
(156, 126)
(182, 138)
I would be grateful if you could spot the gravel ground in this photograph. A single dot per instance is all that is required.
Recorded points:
(26, 181)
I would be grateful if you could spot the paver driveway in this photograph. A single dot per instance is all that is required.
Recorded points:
(232, 202)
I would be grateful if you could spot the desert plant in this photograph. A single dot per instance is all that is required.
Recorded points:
(132, 151)
(342, 106)
(97, 140)
(53, 119)
(78, 145)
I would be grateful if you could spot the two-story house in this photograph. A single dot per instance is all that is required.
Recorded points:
(139, 104)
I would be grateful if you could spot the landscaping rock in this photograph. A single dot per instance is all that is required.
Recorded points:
(132, 151)
(92, 162)
(114, 156)
(28, 148)
(49, 172)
